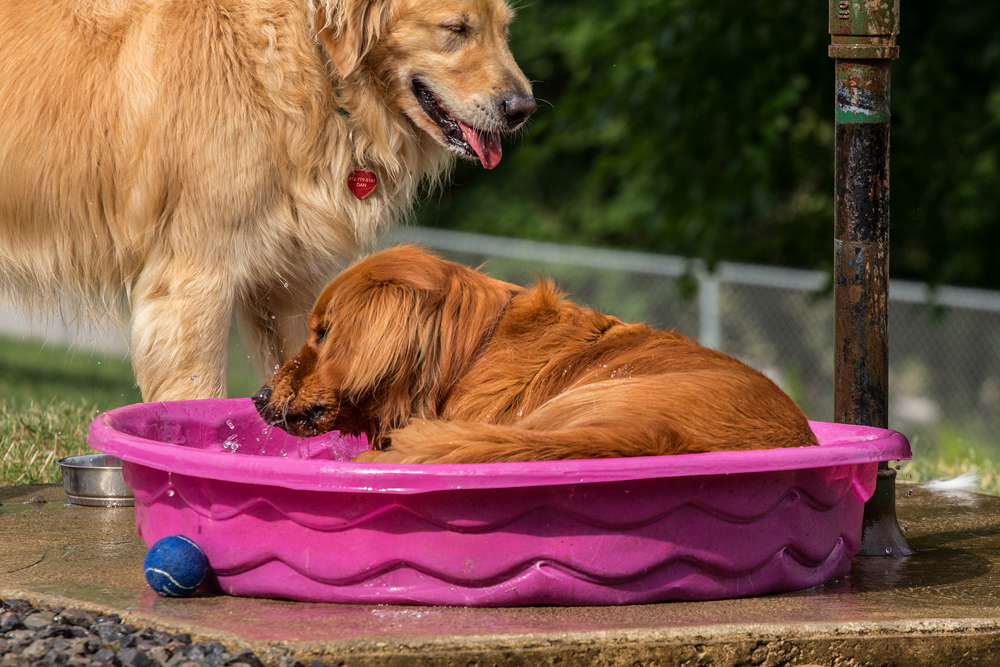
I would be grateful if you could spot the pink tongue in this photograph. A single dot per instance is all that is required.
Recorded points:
(486, 145)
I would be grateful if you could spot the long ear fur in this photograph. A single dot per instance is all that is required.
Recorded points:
(468, 313)
(416, 323)
(349, 28)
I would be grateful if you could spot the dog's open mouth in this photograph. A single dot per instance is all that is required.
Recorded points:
(458, 135)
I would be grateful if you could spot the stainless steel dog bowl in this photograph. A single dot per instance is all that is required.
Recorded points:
(95, 480)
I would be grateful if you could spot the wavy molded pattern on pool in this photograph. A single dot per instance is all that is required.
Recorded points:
(284, 517)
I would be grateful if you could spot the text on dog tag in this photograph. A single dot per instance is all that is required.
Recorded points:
(361, 182)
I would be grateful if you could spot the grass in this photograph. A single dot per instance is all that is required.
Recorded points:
(925, 470)
(953, 452)
(36, 435)
(49, 395)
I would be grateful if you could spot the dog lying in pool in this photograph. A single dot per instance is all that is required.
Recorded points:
(438, 363)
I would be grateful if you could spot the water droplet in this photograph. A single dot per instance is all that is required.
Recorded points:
(909, 492)
(231, 443)
(194, 378)
(285, 284)
(888, 550)
(906, 527)
(230, 424)
(171, 493)
(272, 316)
(276, 367)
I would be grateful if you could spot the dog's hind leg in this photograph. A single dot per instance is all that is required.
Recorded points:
(180, 330)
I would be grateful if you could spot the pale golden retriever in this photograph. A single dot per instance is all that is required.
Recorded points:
(189, 159)
(438, 363)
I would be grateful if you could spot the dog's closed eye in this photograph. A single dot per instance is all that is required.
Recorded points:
(320, 335)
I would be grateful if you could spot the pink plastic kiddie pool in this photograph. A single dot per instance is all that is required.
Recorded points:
(284, 517)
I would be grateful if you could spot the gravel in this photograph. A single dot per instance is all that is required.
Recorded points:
(79, 638)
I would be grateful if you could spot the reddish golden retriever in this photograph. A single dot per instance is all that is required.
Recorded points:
(438, 363)
(188, 160)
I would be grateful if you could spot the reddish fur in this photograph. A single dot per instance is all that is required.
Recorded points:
(439, 363)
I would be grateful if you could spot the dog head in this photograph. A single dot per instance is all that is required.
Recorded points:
(387, 340)
(445, 64)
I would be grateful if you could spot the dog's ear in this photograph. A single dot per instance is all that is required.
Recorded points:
(387, 360)
(467, 315)
(349, 28)
(382, 336)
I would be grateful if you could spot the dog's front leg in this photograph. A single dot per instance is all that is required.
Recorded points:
(180, 330)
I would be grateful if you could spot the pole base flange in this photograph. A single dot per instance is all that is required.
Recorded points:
(880, 533)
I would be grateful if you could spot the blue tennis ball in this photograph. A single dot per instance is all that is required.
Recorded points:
(175, 566)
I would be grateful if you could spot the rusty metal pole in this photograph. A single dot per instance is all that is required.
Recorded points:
(863, 36)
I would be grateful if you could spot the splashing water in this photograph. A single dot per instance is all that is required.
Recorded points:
(231, 444)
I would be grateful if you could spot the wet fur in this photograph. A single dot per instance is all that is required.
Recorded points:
(186, 160)
(438, 363)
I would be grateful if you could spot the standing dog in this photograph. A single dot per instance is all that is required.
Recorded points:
(438, 363)
(190, 159)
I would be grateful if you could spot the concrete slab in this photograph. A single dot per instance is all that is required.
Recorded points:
(939, 607)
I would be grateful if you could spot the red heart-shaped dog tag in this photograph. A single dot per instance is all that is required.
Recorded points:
(361, 182)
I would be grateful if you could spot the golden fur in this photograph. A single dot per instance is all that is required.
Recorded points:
(439, 363)
(188, 159)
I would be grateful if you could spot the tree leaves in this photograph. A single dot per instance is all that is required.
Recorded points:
(706, 129)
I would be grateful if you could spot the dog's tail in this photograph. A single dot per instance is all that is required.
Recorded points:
(646, 416)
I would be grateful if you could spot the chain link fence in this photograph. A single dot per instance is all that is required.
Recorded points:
(944, 344)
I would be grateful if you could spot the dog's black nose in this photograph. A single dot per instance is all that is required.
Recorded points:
(517, 108)
(262, 398)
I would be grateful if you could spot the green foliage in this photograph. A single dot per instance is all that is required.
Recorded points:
(946, 143)
(706, 129)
